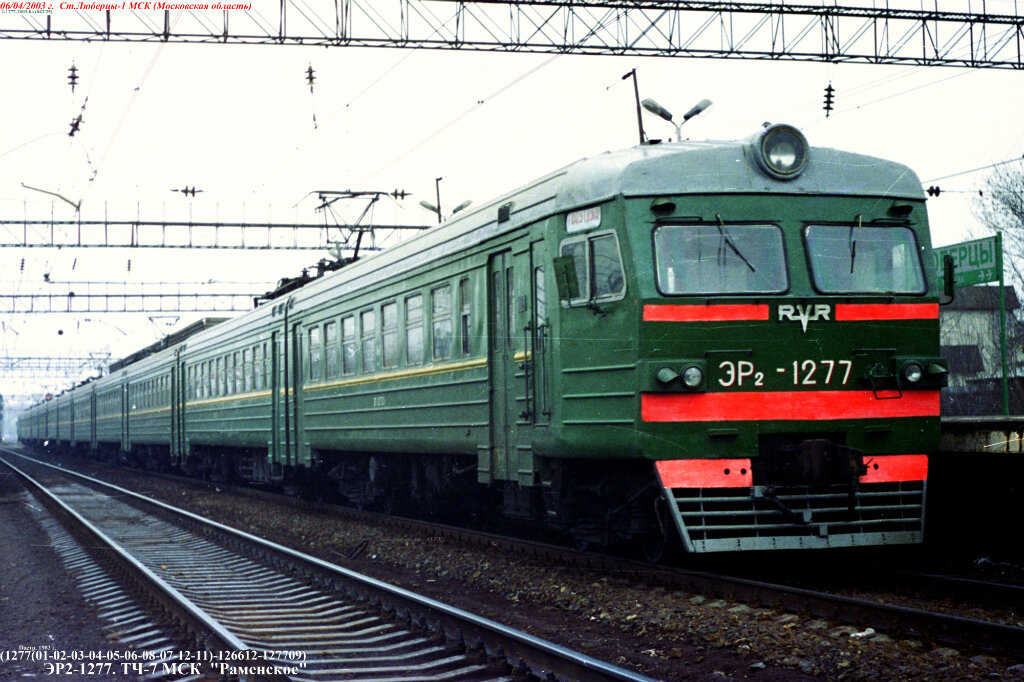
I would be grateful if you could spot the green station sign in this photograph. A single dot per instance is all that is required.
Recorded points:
(974, 262)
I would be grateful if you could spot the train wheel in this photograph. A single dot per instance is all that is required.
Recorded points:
(582, 539)
(654, 548)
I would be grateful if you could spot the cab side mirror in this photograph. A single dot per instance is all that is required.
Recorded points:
(948, 285)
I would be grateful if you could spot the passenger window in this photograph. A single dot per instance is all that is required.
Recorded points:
(257, 367)
(348, 345)
(441, 314)
(465, 322)
(369, 325)
(331, 349)
(246, 371)
(414, 330)
(389, 331)
(221, 378)
(315, 355)
(237, 373)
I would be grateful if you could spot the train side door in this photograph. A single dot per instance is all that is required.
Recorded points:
(125, 408)
(276, 444)
(299, 448)
(502, 367)
(179, 396)
(284, 409)
(93, 441)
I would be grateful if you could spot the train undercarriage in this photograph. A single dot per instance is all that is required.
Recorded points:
(801, 493)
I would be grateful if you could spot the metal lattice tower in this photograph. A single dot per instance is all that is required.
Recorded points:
(52, 366)
(667, 28)
(192, 234)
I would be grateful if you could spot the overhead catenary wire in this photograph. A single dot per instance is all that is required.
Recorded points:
(975, 170)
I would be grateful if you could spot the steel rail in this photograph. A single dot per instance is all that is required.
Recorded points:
(920, 623)
(996, 592)
(200, 625)
(940, 627)
(518, 649)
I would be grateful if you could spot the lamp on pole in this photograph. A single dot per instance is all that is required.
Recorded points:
(661, 112)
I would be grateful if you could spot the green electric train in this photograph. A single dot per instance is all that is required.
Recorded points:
(728, 346)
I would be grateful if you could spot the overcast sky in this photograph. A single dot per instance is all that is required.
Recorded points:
(238, 123)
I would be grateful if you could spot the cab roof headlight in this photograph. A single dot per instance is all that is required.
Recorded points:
(693, 377)
(781, 151)
(912, 372)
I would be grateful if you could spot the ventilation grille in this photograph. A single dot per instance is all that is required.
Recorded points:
(504, 212)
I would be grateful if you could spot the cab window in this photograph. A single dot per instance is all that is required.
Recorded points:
(864, 260)
(719, 258)
(598, 266)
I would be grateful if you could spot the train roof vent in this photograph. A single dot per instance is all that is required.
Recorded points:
(504, 212)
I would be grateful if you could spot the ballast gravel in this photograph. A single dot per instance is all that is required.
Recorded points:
(664, 634)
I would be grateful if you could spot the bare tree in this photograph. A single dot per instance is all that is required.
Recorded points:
(1000, 207)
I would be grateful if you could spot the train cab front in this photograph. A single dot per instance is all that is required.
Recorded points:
(789, 368)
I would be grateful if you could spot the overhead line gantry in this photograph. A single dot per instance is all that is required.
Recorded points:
(665, 28)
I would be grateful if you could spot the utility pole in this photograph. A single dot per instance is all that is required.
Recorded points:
(437, 188)
(636, 95)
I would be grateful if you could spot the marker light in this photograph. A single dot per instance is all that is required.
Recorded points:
(781, 151)
(666, 375)
(693, 376)
(912, 372)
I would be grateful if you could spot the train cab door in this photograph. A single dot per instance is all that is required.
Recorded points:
(539, 339)
(502, 369)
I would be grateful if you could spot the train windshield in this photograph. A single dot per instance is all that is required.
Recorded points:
(720, 259)
(864, 260)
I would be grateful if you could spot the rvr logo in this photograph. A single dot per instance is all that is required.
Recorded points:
(805, 313)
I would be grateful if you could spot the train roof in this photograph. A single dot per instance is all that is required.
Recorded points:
(714, 167)
(646, 170)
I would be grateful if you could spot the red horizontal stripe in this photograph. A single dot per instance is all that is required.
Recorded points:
(858, 312)
(892, 468)
(705, 473)
(706, 313)
(736, 473)
(784, 405)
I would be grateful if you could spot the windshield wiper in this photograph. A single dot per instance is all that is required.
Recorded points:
(729, 243)
(853, 243)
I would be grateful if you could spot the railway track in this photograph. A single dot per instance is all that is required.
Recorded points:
(257, 609)
(942, 628)
(938, 627)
